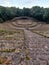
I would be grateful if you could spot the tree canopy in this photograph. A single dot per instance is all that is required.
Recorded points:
(40, 13)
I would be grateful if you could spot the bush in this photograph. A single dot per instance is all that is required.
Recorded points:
(1, 20)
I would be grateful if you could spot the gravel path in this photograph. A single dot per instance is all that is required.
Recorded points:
(38, 48)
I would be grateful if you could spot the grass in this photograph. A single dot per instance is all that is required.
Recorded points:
(2, 60)
(18, 50)
(12, 34)
(9, 32)
(3, 32)
(28, 57)
(42, 33)
(11, 50)
(7, 50)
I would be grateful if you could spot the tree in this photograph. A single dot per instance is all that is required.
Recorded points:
(46, 15)
(37, 12)
(40, 13)
(26, 12)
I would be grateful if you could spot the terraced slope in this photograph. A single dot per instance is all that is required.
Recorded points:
(20, 23)
(11, 43)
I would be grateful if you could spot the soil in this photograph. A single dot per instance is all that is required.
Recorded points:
(23, 47)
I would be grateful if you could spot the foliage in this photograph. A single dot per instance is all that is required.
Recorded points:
(40, 13)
